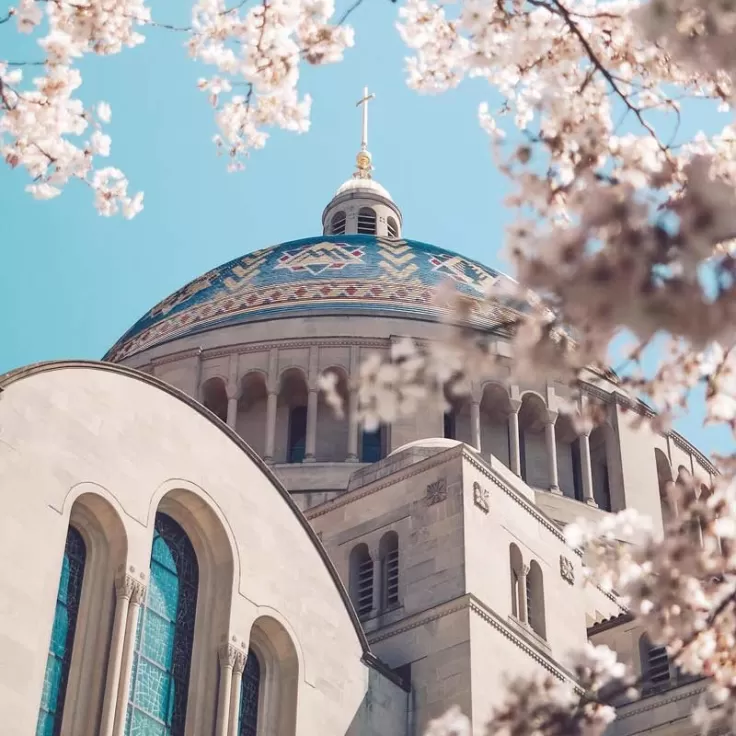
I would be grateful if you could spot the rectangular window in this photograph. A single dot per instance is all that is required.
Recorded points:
(297, 434)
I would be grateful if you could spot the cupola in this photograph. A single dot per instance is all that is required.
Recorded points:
(361, 206)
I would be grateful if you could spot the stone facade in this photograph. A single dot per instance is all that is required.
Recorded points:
(377, 579)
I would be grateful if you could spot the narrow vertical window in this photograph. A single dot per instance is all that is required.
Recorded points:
(449, 425)
(361, 580)
(366, 221)
(55, 680)
(655, 665)
(163, 652)
(297, 434)
(372, 446)
(249, 695)
(389, 551)
(337, 223)
(393, 228)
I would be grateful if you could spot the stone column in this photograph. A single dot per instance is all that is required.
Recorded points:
(232, 404)
(227, 655)
(271, 405)
(522, 594)
(514, 437)
(353, 427)
(123, 592)
(138, 594)
(551, 441)
(586, 469)
(311, 443)
(475, 424)
(234, 716)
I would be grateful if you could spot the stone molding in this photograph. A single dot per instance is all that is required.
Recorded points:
(480, 497)
(402, 474)
(567, 571)
(126, 586)
(436, 491)
(469, 602)
(183, 355)
(659, 702)
(232, 656)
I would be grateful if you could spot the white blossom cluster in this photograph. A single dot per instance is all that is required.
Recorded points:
(261, 51)
(41, 123)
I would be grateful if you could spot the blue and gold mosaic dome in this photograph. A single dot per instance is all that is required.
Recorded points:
(338, 274)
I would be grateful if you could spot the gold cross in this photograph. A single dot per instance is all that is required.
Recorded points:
(364, 102)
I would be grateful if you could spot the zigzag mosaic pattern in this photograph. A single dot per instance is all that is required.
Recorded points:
(322, 274)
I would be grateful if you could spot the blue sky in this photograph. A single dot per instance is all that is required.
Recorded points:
(72, 282)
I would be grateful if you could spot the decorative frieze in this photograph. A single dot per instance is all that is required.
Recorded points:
(480, 497)
(567, 572)
(232, 657)
(436, 491)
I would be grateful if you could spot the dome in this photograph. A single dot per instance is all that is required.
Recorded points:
(345, 274)
(363, 185)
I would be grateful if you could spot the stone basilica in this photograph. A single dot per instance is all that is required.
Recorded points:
(201, 547)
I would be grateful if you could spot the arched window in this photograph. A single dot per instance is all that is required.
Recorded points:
(297, 434)
(366, 221)
(55, 680)
(337, 223)
(667, 501)
(535, 600)
(388, 550)
(160, 681)
(515, 565)
(373, 445)
(655, 664)
(393, 228)
(361, 579)
(214, 397)
(249, 696)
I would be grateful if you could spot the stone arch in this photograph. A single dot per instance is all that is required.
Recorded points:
(106, 542)
(360, 579)
(569, 468)
(278, 658)
(665, 482)
(214, 396)
(516, 566)
(535, 600)
(337, 223)
(534, 458)
(495, 407)
(213, 547)
(251, 417)
(367, 221)
(291, 416)
(332, 429)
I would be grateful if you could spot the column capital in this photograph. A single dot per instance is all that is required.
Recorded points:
(524, 570)
(515, 405)
(233, 390)
(550, 416)
(126, 586)
(230, 656)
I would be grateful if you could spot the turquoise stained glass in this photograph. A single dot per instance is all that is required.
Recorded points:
(249, 693)
(51, 711)
(158, 690)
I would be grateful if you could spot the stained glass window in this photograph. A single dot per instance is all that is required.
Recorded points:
(51, 711)
(163, 650)
(249, 696)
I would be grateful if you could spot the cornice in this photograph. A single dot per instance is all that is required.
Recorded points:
(183, 355)
(370, 488)
(659, 702)
(469, 602)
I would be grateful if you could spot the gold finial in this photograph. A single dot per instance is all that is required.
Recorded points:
(363, 159)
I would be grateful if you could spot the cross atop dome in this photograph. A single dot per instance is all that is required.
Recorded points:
(363, 159)
(361, 206)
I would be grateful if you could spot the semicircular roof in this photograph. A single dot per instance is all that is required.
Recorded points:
(333, 274)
